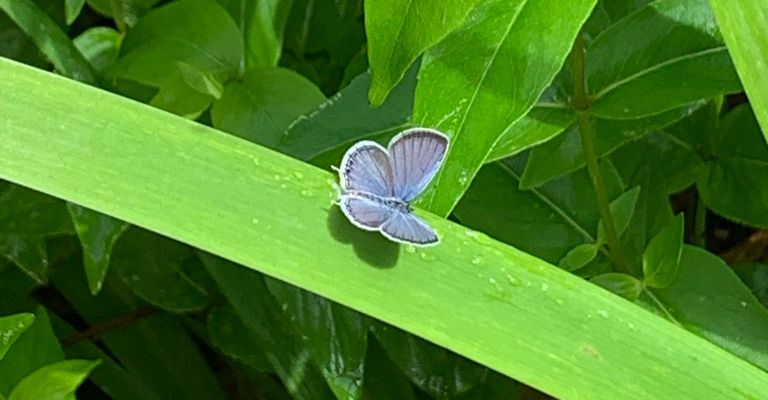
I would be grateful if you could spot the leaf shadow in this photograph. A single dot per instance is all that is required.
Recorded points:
(371, 247)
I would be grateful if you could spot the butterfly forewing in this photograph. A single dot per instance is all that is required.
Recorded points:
(416, 155)
(366, 168)
(408, 228)
(365, 212)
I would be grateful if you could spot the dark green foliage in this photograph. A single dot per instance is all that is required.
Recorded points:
(82, 294)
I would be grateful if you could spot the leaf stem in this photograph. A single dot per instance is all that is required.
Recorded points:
(588, 139)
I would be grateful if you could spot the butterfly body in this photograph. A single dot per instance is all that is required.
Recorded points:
(378, 184)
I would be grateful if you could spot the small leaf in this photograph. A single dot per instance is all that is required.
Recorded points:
(541, 124)
(661, 258)
(11, 327)
(72, 9)
(624, 285)
(400, 30)
(97, 233)
(578, 256)
(100, 46)
(28, 253)
(56, 381)
(177, 96)
(622, 209)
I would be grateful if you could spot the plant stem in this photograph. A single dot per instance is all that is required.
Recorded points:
(588, 139)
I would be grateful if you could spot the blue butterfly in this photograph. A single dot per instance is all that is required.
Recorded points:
(378, 184)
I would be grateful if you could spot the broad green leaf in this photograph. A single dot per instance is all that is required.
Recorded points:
(267, 323)
(27, 212)
(56, 381)
(622, 209)
(538, 126)
(176, 95)
(547, 221)
(72, 9)
(755, 276)
(99, 45)
(97, 233)
(153, 267)
(735, 183)
(705, 290)
(28, 253)
(158, 350)
(125, 12)
(50, 39)
(11, 327)
(495, 386)
(35, 348)
(748, 46)
(476, 82)
(17, 45)
(347, 117)
(15, 287)
(216, 198)
(335, 336)
(624, 285)
(563, 154)
(661, 258)
(578, 256)
(437, 371)
(659, 58)
(229, 334)
(197, 32)
(383, 380)
(400, 30)
(260, 106)
(262, 24)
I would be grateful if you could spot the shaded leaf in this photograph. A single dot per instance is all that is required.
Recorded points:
(538, 126)
(622, 209)
(661, 258)
(398, 31)
(624, 285)
(56, 381)
(28, 252)
(230, 335)
(578, 256)
(99, 45)
(261, 105)
(476, 82)
(755, 276)
(125, 12)
(97, 233)
(262, 24)
(153, 267)
(11, 327)
(72, 9)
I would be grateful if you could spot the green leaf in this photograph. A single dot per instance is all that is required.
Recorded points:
(216, 198)
(197, 32)
(755, 276)
(230, 335)
(152, 348)
(56, 381)
(705, 290)
(477, 81)
(153, 267)
(437, 371)
(661, 258)
(624, 285)
(347, 117)
(547, 221)
(262, 24)
(179, 96)
(400, 30)
(578, 256)
(538, 126)
(260, 106)
(72, 9)
(659, 58)
(99, 45)
(27, 212)
(383, 380)
(335, 336)
(35, 348)
(11, 327)
(97, 233)
(247, 292)
(125, 12)
(563, 154)
(50, 39)
(28, 253)
(622, 209)
(748, 46)
(735, 183)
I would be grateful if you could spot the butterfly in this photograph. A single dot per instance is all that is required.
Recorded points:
(378, 184)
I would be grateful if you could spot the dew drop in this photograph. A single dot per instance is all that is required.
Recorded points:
(277, 177)
(298, 175)
(307, 193)
(426, 256)
(283, 186)
(255, 161)
(255, 221)
(544, 286)
(512, 280)
(463, 178)
(410, 249)
(602, 313)
(743, 303)
(559, 302)
(477, 260)
(631, 326)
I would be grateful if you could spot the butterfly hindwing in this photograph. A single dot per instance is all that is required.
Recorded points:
(365, 213)
(408, 228)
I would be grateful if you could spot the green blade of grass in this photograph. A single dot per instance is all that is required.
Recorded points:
(470, 294)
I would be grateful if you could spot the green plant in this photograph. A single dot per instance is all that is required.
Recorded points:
(579, 129)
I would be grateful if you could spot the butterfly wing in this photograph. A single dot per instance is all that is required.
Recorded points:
(364, 212)
(366, 168)
(416, 155)
(408, 228)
